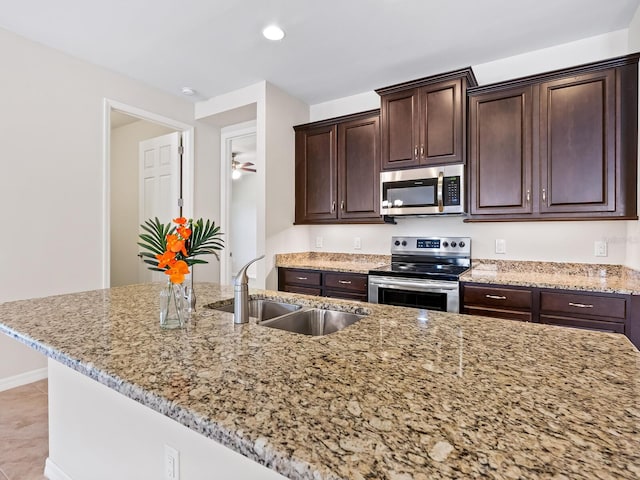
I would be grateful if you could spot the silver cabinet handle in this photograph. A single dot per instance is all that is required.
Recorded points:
(544, 195)
(345, 282)
(496, 297)
(415, 151)
(528, 196)
(333, 207)
(422, 150)
(342, 205)
(580, 305)
(301, 278)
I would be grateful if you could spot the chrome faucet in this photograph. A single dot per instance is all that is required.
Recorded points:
(241, 294)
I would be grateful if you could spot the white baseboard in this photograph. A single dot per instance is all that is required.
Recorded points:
(53, 472)
(23, 379)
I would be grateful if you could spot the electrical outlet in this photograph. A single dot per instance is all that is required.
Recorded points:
(357, 244)
(501, 245)
(171, 463)
(318, 242)
(600, 248)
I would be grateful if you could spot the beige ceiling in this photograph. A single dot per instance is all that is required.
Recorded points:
(333, 48)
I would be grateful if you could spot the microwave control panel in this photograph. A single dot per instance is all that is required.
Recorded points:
(451, 191)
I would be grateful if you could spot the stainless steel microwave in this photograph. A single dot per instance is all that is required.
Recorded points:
(423, 191)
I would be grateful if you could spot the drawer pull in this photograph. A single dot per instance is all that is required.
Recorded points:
(302, 278)
(345, 282)
(496, 297)
(580, 305)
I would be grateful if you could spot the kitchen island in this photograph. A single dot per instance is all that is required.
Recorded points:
(399, 395)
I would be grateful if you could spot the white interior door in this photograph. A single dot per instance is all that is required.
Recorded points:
(159, 187)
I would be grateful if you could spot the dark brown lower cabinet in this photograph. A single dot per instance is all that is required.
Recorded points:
(501, 302)
(607, 312)
(593, 311)
(351, 286)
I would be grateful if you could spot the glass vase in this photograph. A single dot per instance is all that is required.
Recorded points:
(189, 296)
(172, 306)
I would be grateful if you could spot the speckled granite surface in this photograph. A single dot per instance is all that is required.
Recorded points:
(339, 262)
(572, 276)
(390, 397)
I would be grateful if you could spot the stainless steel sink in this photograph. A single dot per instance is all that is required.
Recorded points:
(313, 321)
(262, 309)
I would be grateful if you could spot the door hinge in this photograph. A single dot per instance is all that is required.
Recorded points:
(180, 150)
(180, 202)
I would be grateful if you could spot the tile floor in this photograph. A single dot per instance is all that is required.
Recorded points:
(24, 431)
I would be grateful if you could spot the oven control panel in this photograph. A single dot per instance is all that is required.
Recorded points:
(431, 246)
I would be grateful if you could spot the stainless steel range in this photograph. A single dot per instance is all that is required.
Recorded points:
(423, 273)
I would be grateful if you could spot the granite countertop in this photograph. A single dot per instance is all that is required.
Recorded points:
(338, 262)
(394, 396)
(571, 276)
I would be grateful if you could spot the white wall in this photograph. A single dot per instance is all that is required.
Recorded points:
(243, 232)
(282, 113)
(51, 124)
(275, 115)
(544, 241)
(124, 199)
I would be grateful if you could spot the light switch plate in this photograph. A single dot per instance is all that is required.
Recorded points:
(600, 248)
(357, 243)
(501, 245)
(171, 463)
(318, 242)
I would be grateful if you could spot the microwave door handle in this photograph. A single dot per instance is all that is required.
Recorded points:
(440, 182)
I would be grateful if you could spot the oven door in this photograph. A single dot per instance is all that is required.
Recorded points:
(415, 292)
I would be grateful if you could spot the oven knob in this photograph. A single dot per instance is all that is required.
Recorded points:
(445, 244)
(453, 244)
(397, 242)
(404, 243)
(461, 244)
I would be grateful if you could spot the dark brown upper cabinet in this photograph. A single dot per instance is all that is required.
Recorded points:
(423, 121)
(556, 146)
(338, 170)
(500, 152)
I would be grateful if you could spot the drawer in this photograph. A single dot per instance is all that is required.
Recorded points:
(496, 313)
(346, 281)
(303, 290)
(497, 297)
(302, 277)
(576, 304)
(583, 323)
(346, 295)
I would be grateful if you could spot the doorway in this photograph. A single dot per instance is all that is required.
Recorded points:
(239, 194)
(128, 134)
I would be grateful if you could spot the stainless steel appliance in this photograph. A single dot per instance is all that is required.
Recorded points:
(423, 273)
(423, 191)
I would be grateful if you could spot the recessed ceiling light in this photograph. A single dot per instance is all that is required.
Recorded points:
(188, 91)
(273, 32)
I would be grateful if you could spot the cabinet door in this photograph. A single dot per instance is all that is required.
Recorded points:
(441, 132)
(359, 168)
(400, 129)
(316, 174)
(577, 143)
(500, 126)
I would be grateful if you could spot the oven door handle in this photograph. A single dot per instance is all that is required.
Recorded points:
(403, 284)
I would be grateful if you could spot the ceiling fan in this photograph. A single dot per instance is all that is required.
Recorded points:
(244, 166)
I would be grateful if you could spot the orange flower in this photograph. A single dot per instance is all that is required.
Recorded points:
(184, 232)
(166, 259)
(177, 271)
(180, 220)
(174, 244)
